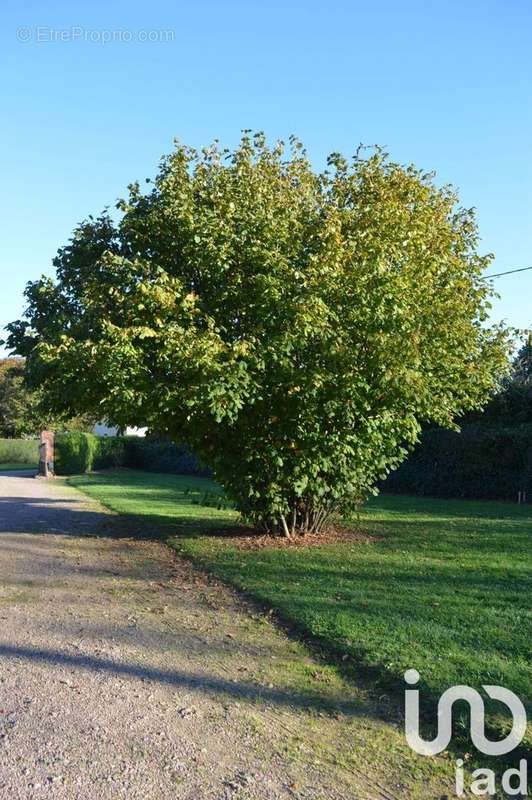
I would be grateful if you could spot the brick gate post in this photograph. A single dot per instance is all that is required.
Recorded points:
(46, 454)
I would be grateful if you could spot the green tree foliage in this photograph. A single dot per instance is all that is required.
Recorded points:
(21, 411)
(293, 328)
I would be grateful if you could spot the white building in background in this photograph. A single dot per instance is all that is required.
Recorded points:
(102, 429)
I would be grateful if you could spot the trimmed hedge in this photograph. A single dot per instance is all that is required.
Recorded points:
(162, 455)
(477, 463)
(482, 463)
(19, 451)
(111, 451)
(76, 453)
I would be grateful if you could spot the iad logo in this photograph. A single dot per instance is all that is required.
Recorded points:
(445, 718)
(483, 780)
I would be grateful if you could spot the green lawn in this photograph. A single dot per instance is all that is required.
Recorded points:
(16, 466)
(443, 586)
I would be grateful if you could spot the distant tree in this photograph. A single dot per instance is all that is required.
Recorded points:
(511, 404)
(522, 367)
(15, 400)
(21, 413)
(293, 328)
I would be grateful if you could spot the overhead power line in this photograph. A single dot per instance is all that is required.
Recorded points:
(510, 272)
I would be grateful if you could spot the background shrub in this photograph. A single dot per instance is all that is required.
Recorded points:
(484, 463)
(19, 451)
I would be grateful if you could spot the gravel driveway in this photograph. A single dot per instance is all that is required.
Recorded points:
(124, 673)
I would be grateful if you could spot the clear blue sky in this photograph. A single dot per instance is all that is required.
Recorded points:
(446, 85)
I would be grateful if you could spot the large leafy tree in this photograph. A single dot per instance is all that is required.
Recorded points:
(294, 328)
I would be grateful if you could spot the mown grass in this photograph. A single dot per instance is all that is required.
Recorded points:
(172, 503)
(442, 586)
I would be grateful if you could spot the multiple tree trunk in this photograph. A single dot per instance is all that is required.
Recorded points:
(299, 522)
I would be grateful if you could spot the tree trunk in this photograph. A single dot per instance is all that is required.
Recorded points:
(303, 520)
(286, 532)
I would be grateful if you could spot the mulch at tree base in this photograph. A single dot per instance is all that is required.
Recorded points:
(246, 539)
